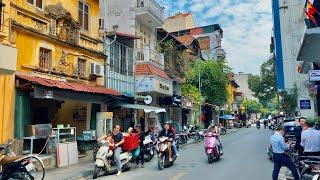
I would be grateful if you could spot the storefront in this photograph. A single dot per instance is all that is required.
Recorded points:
(157, 88)
(173, 105)
(187, 111)
(58, 115)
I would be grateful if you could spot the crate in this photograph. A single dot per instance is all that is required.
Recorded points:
(131, 142)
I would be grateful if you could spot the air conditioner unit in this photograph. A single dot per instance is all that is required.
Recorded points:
(96, 70)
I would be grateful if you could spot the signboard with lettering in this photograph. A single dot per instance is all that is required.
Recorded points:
(314, 75)
(144, 85)
(148, 84)
(305, 104)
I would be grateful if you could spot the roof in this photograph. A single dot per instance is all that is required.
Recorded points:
(186, 39)
(68, 85)
(147, 69)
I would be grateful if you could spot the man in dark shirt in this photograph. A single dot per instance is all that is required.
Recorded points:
(141, 139)
(118, 141)
(167, 132)
(297, 133)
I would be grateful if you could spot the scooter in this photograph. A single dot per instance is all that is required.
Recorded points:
(310, 169)
(212, 149)
(163, 153)
(150, 148)
(104, 160)
(19, 167)
(258, 126)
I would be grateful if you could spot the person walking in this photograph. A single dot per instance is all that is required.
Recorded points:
(118, 141)
(142, 148)
(279, 157)
(310, 140)
(297, 133)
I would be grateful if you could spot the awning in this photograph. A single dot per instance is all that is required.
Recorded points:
(227, 117)
(77, 87)
(146, 109)
(310, 49)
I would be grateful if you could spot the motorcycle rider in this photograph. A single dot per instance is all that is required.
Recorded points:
(167, 132)
(214, 133)
(118, 141)
(265, 124)
(258, 124)
(109, 139)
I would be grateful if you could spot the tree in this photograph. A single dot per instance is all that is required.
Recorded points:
(213, 80)
(264, 85)
(254, 107)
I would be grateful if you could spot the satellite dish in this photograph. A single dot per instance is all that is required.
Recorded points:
(147, 99)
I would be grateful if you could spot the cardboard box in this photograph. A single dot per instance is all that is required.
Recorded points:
(39, 130)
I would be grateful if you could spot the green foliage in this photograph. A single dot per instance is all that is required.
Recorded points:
(264, 85)
(254, 107)
(213, 80)
(192, 92)
(290, 101)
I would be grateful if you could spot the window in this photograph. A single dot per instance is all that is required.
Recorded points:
(83, 16)
(37, 3)
(81, 67)
(1, 15)
(123, 60)
(44, 58)
(101, 24)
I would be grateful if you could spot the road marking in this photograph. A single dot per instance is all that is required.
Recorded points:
(178, 176)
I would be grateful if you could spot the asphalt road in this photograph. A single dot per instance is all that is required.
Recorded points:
(244, 159)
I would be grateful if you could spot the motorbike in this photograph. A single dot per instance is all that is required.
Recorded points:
(310, 168)
(223, 131)
(193, 133)
(149, 148)
(104, 160)
(258, 126)
(212, 149)
(163, 155)
(202, 133)
(182, 137)
(19, 167)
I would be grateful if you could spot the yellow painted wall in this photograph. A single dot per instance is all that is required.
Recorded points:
(65, 116)
(231, 98)
(7, 98)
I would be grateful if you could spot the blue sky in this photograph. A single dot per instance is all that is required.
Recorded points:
(247, 26)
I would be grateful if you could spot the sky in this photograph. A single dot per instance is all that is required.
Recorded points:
(246, 24)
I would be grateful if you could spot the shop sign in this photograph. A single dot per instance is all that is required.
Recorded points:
(176, 100)
(43, 93)
(314, 75)
(144, 85)
(305, 104)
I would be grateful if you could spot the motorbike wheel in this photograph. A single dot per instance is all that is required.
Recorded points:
(19, 175)
(147, 156)
(95, 151)
(96, 171)
(196, 137)
(210, 159)
(161, 160)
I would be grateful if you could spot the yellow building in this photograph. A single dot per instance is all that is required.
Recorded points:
(178, 22)
(8, 59)
(232, 88)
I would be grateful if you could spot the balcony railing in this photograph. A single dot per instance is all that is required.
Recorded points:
(148, 55)
(152, 6)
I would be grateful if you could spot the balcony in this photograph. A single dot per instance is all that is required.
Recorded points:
(310, 49)
(149, 13)
(148, 55)
(220, 54)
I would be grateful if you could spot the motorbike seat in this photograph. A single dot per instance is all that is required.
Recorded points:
(7, 160)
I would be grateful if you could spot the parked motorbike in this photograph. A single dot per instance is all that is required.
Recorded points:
(104, 160)
(149, 148)
(223, 131)
(19, 167)
(193, 133)
(163, 153)
(183, 137)
(212, 149)
(310, 168)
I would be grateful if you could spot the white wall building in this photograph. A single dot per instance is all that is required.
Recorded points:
(242, 80)
(288, 17)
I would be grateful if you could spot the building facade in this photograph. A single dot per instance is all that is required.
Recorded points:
(242, 80)
(8, 60)
(289, 27)
(178, 22)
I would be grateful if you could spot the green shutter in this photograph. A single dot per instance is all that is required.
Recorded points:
(22, 113)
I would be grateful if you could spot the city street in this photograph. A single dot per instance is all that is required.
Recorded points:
(245, 159)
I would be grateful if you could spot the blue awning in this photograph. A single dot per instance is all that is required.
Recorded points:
(227, 117)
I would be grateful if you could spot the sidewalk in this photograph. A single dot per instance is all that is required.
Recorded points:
(78, 171)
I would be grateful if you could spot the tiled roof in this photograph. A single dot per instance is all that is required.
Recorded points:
(68, 86)
(147, 69)
(186, 39)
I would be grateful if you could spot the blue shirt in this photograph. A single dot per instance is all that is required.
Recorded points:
(310, 140)
(278, 144)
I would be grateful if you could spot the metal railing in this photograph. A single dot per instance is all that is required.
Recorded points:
(151, 56)
(152, 6)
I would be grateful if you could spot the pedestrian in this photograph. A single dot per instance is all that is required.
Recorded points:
(265, 123)
(142, 148)
(118, 141)
(310, 139)
(297, 133)
(279, 157)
